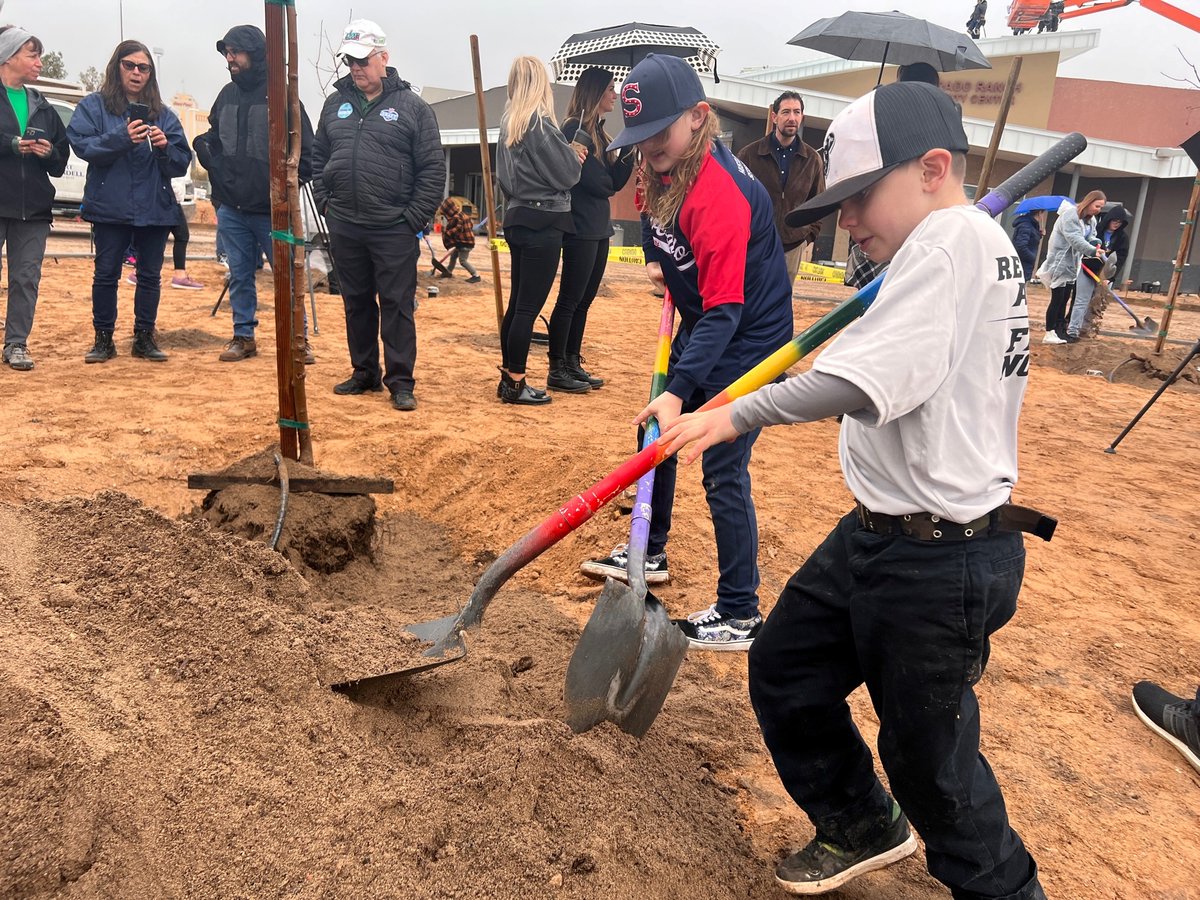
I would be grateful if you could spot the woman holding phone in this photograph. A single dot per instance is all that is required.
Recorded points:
(133, 145)
(33, 148)
(585, 253)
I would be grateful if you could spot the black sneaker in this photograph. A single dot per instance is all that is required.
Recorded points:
(1170, 717)
(712, 630)
(353, 385)
(404, 401)
(822, 867)
(614, 566)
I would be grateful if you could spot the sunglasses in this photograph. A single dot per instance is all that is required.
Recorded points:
(356, 60)
(129, 66)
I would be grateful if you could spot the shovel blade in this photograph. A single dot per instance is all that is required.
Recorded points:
(448, 646)
(624, 664)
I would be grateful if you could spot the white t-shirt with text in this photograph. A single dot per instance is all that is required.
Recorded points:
(943, 353)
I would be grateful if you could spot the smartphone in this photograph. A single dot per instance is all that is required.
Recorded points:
(34, 134)
(139, 111)
(583, 139)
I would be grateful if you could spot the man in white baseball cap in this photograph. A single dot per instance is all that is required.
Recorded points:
(379, 177)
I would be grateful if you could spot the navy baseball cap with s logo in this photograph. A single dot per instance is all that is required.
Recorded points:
(657, 91)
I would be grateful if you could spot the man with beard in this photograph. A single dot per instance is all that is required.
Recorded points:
(234, 150)
(790, 170)
(380, 176)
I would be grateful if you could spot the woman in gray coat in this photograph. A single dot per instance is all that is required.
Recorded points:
(536, 168)
(1073, 237)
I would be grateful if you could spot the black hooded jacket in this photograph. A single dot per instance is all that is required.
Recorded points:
(1118, 241)
(234, 149)
(26, 191)
(380, 163)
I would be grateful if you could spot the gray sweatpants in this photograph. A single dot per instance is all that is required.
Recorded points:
(26, 243)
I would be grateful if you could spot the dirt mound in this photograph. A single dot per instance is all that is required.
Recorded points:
(321, 532)
(166, 727)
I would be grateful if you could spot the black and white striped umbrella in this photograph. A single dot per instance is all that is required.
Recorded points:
(621, 47)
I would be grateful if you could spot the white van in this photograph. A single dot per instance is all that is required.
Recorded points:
(68, 187)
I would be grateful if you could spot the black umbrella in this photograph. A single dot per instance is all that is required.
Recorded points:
(622, 47)
(892, 37)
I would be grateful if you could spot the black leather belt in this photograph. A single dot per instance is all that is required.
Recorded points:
(930, 527)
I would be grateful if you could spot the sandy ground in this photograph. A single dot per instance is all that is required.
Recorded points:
(168, 731)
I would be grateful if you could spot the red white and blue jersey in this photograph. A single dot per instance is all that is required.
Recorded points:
(724, 266)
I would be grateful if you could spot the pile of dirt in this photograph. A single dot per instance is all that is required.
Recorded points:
(321, 532)
(166, 726)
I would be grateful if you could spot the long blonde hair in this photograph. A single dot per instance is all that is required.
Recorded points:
(585, 106)
(529, 94)
(662, 201)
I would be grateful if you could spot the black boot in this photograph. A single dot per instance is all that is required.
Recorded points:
(144, 346)
(103, 350)
(560, 379)
(576, 370)
(513, 391)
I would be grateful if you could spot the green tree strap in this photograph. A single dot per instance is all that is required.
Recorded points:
(286, 236)
(288, 423)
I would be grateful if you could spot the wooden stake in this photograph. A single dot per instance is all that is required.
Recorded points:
(290, 441)
(1181, 258)
(985, 173)
(485, 155)
(295, 125)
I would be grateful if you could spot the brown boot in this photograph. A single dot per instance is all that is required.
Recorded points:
(238, 349)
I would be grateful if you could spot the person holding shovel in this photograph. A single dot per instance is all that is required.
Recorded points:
(708, 231)
(458, 238)
(906, 590)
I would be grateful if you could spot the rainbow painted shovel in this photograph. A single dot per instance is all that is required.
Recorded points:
(446, 634)
(627, 656)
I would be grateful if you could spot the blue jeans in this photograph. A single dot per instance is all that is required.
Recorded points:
(112, 241)
(244, 237)
(913, 621)
(726, 476)
(1085, 287)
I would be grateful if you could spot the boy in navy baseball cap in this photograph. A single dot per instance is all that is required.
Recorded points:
(709, 235)
(905, 592)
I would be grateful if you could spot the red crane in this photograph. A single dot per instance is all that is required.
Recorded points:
(1045, 16)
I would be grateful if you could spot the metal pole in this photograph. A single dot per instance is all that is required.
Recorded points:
(488, 193)
(1181, 258)
(1137, 224)
(989, 160)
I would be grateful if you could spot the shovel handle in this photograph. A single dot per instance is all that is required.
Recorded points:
(639, 523)
(583, 506)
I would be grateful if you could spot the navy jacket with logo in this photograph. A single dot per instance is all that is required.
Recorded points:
(26, 191)
(724, 266)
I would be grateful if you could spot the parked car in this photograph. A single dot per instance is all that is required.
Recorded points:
(64, 96)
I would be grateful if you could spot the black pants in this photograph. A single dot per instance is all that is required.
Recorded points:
(535, 255)
(1056, 312)
(911, 619)
(148, 243)
(182, 234)
(583, 265)
(371, 263)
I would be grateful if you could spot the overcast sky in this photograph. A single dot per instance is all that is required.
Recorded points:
(432, 49)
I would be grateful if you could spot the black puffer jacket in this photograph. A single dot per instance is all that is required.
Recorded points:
(234, 150)
(25, 189)
(379, 163)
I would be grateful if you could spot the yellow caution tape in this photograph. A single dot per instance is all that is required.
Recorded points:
(627, 255)
(500, 245)
(813, 272)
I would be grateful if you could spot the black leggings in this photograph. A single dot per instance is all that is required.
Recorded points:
(1056, 312)
(583, 264)
(182, 235)
(535, 254)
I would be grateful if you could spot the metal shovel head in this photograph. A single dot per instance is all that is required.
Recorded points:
(448, 646)
(625, 662)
